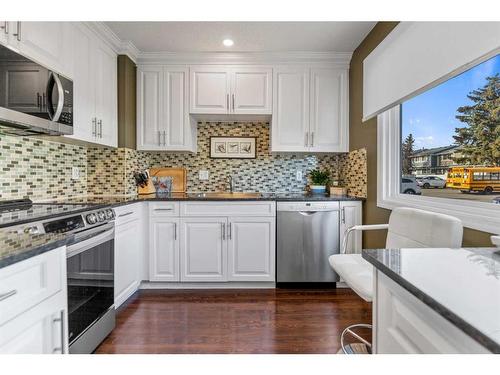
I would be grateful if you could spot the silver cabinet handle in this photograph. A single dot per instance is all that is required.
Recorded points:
(175, 231)
(312, 139)
(18, 33)
(223, 231)
(159, 138)
(230, 231)
(94, 127)
(126, 214)
(227, 101)
(164, 209)
(306, 142)
(343, 215)
(164, 138)
(233, 102)
(100, 128)
(8, 294)
(60, 320)
(5, 27)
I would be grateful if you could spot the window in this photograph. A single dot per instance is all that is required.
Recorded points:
(456, 125)
(431, 119)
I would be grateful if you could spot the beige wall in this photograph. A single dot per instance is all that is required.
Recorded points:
(365, 135)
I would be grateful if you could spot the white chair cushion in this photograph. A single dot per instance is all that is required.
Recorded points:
(356, 272)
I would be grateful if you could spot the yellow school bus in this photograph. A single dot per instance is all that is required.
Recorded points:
(470, 179)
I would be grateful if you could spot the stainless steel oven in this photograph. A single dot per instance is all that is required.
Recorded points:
(90, 268)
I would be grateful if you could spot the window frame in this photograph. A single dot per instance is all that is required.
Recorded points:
(476, 215)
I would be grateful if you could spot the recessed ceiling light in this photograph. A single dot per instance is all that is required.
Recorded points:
(228, 42)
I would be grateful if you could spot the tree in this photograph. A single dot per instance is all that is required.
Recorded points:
(479, 140)
(407, 152)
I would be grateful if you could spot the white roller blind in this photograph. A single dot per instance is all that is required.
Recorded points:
(416, 56)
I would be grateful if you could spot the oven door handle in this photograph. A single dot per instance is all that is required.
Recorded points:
(80, 247)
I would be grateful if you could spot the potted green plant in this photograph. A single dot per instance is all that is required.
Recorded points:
(319, 179)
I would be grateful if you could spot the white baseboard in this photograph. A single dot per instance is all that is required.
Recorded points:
(341, 284)
(205, 285)
(123, 296)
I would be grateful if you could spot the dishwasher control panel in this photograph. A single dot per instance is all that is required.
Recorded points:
(308, 206)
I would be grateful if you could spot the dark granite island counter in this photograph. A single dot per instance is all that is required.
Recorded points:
(436, 300)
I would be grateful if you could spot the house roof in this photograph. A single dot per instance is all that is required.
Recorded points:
(434, 151)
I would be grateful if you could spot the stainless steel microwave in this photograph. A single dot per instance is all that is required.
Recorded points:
(33, 99)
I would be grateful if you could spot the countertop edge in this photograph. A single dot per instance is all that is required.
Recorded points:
(37, 250)
(447, 314)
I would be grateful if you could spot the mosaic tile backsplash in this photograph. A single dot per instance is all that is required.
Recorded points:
(41, 169)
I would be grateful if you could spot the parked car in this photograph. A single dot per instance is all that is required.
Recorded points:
(409, 185)
(431, 182)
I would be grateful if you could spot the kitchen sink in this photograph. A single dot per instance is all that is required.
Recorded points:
(227, 195)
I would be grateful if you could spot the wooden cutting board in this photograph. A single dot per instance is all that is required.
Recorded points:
(179, 177)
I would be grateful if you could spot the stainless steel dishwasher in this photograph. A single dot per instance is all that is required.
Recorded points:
(307, 234)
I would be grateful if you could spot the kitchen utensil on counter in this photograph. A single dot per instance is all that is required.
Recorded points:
(178, 175)
(162, 184)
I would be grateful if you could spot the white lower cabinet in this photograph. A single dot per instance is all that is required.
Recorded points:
(351, 214)
(187, 244)
(251, 248)
(203, 249)
(127, 258)
(33, 305)
(164, 249)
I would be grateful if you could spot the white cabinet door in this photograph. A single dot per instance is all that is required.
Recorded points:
(84, 85)
(128, 249)
(203, 249)
(251, 248)
(38, 331)
(329, 110)
(44, 42)
(150, 108)
(350, 215)
(106, 96)
(164, 249)
(290, 123)
(251, 90)
(210, 89)
(178, 134)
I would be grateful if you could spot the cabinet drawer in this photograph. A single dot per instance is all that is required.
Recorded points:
(253, 208)
(127, 213)
(25, 284)
(162, 209)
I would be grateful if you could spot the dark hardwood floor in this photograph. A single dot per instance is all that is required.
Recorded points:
(235, 321)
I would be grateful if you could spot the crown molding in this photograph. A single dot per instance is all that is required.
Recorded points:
(123, 47)
(336, 58)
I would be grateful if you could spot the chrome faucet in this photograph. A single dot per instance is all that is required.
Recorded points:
(230, 180)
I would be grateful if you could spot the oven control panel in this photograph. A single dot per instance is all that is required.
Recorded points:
(100, 216)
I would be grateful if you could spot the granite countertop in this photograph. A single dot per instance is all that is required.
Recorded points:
(462, 285)
(16, 247)
(123, 200)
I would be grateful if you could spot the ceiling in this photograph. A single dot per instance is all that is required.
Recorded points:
(247, 36)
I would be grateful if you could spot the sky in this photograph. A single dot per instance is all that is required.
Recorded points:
(430, 116)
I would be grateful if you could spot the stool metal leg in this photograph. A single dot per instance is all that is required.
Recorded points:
(349, 330)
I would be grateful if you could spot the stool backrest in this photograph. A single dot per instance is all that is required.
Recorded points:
(411, 227)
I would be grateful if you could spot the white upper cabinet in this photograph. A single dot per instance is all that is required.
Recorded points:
(47, 43)
(329, 129)
(290, 123)
(149, 99)
(210, 88)
(106, 95)
(231, 90)
(251, 90)
(163, 121)
(310, 110)
(95, 88)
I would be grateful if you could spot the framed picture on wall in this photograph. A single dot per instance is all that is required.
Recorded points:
(233, 147)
